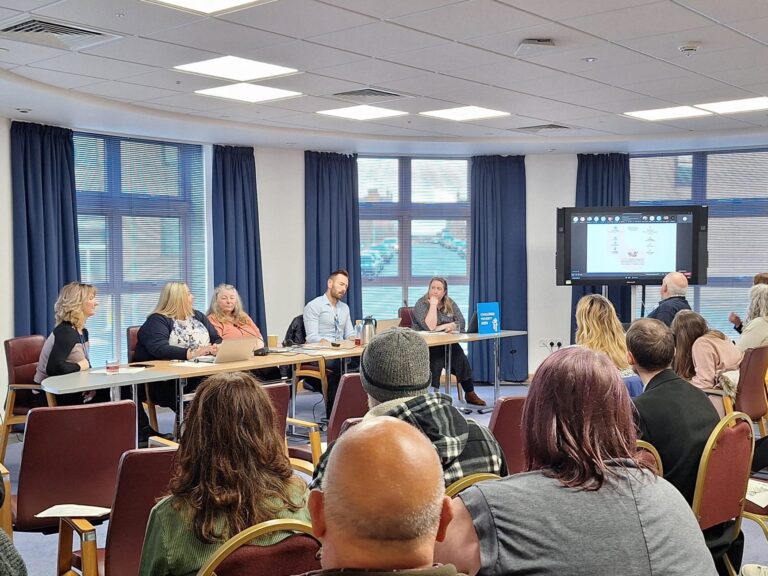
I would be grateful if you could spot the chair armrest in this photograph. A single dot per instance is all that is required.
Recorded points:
(160, 442)
(315, 442)
(87, 534)
(6, 515)
(24, 387)
(302, 466)
(714, 391)
(727, 400)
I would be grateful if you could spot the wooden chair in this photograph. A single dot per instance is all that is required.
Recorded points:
(648, 455)
(70, 456)
(506, 425)
(143, 477)
(467, 481)
(296, 554)
(721, 484)
(21, 356)
(132, 339)
(297, 335)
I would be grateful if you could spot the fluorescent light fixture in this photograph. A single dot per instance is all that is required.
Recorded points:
(248, 92)
(733, 106)
(463, 113)
(206, 6)
(363, 112)
(234, 68)
(668, 113)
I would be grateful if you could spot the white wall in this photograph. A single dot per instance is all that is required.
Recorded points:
(280, 185)
(6, 254)
(550, 183)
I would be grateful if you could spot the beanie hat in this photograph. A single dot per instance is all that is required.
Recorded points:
(395, 364)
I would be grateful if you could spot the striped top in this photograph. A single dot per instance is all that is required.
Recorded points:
(172, 549)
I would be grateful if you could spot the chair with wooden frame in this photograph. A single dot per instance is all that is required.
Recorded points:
(648, 455)
(317, 370)
(506, 425)
(21, 356)
(132, 340)
(464, 483)
(405, 314)
(724, 470)
(297, 554)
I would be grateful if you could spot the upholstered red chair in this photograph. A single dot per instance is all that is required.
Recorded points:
(143, 478)
(751, 396)
(294, 555)
(406, 316)
(21, 356)
(648, 455)
(280, 396)
(132, 340)
(506, 425)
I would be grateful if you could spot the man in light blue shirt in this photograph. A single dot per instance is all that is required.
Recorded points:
(327, 318)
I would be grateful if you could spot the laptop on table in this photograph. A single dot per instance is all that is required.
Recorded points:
(232, 350)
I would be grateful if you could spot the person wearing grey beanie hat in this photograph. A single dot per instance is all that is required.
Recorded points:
(395, 364)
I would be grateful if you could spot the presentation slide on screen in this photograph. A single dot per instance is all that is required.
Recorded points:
(631, 247)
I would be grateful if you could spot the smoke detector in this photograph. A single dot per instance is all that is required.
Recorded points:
(689, 48)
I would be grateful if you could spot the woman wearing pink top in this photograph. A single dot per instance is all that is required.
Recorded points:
(228, 317)
(701, 354)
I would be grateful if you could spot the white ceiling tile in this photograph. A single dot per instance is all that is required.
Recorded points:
(573, 60)
(123, 16)
(433, 85)
(309, 104)
(282, 17)
(721, 64)
(637, 21)
(511, 122)
(447, 57)
(93, 66)
(756, 28)
(252, 112)
(618, 124)
(304, 56)
(25, 5)
(371, 71)
(682, 83)
(506, 74)
(125, 91)
(711, 39)
(617, 106)
(7, 14)
(629, 74)
(469, 19)
(24, 53)
(61, 79)
(416, 105)
(311, 84)
(564, 9)
(714, 122)
(713, 95)
(193, 102)
(150, 52)
(557, 85)
(174, 80)
(758, 118)
(507, 43)
(730, 11)
(391, 8)
(380, 39)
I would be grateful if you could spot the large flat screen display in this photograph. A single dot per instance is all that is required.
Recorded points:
(631, 245)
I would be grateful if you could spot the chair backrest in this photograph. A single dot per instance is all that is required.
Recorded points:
(506, 425)
(143, 477)
(750, 396)
(648, 455)
(351, 402)
(724, 470)
(21, 356)
(349, 423)
(467, 481)
(280, 395)
(296, 554)
(71, 456)
(296, 333)
(132, 340)
(406, 316)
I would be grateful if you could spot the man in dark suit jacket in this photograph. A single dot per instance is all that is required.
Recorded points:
(676, 417)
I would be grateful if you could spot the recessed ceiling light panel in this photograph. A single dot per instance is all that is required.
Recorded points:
(234, 68)
(464, 113)
(363, 112)
(248, 92)
(734, 106)
(206, 6)
(668, 113)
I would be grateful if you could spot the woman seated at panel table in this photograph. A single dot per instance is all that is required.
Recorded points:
(598, 328)
(437, 312)
(67, 349)
(174, 331)
(585, 505)
(221, 487)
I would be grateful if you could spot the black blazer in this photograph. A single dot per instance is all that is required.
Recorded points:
(677, 418)
(155, 333)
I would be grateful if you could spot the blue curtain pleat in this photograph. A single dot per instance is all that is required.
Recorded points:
(235, 213)
(332, 224)
(603, 180)
(498, 271)
(45, 240)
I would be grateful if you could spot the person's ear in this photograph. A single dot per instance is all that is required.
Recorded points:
(631, 358)
(316, 506)
(446, 515)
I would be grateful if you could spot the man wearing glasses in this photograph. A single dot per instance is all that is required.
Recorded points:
(326, 318)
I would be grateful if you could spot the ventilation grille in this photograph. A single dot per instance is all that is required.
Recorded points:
(53, 35)
(368, 96)
(543, 128)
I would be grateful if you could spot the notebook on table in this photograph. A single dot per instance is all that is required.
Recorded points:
(232, 350)
(382, 325)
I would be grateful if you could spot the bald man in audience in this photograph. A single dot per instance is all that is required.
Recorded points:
(382, 504)
(673, 290)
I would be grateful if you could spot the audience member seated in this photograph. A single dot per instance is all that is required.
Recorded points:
(673, 290)
(598, 328)
(674, 416)
(67, 349)
(232, 472)
(733, 318)
(755, 332)
(437, 312)
(701, 354)
(585, 506)
(227, 316)
(394, 371)
(382, 504)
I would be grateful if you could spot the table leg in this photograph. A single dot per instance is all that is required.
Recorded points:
(448, 369)
(180, 383)
(496, 379)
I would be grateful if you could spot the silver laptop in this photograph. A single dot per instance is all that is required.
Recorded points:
(382, 325)
(233, 350)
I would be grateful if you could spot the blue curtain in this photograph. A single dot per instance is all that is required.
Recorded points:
(235, 212)
(603, 180)
(45, 241)
(332, 224)
(498, 262)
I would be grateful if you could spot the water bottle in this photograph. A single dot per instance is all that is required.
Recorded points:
(358, 332)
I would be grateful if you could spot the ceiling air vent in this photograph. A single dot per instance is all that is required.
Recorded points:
(368, 96)
(543, 128)
(52, 34)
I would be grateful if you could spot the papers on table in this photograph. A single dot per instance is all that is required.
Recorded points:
(73, 511)
(123, 370)
(757, 492)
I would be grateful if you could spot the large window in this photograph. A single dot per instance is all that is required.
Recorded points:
(414, 224)
(141, 223)
(735, 187)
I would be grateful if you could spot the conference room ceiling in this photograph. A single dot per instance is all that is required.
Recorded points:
(609, 57)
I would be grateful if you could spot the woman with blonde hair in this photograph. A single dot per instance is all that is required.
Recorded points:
(67, 349)
(232, 472)
(227, 316)
(755, 332)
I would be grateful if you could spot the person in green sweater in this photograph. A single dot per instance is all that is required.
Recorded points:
(232, 472)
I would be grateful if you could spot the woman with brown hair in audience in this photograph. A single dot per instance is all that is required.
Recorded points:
(585, 505)
(232, 472)
(701, 354)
